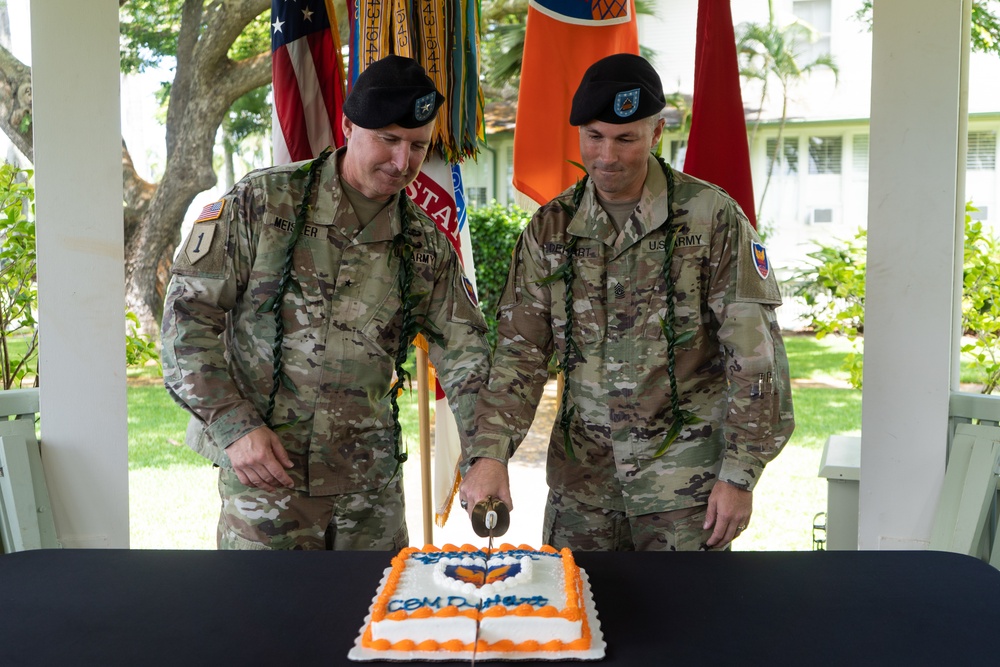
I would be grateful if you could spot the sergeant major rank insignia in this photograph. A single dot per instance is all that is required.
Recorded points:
(202, 234)
(760, 259)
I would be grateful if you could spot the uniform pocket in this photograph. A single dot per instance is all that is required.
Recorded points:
(382, 329)
(687, 302)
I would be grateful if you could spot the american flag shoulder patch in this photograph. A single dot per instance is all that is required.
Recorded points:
(211, 212)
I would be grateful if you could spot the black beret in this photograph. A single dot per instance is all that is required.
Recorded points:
(393, 90)
(617, 89)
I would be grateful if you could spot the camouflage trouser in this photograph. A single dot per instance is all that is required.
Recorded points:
(286, 519)
(581, 527)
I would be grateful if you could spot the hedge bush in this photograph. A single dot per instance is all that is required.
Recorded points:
(494, 230)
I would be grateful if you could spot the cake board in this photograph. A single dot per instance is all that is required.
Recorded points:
(595, 652)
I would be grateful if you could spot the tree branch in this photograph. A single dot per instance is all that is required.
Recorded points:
(15, 102)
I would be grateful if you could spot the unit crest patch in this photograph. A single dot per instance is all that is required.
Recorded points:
(760, 259)
(470, 291)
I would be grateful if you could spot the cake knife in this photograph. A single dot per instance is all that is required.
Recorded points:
(490, 518)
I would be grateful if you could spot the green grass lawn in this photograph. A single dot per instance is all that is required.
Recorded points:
(173, 497)
(174, 503)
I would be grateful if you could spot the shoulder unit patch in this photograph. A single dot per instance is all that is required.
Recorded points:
(760, 261)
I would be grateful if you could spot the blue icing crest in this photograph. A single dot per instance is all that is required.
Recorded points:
(479, 575)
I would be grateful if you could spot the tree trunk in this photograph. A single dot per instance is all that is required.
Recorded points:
(205, 85)
(15, 102)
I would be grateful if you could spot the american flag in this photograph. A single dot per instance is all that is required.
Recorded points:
(210, 212)
(308, 76)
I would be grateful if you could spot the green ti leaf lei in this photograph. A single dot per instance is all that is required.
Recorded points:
(410, 327)
(682, 417)
(286, 282)
(567, 274)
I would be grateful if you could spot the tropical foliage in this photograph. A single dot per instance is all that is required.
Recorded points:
(497, 228)
(833, 288)
(19, 291)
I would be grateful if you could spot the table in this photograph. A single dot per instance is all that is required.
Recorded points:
(148, 608)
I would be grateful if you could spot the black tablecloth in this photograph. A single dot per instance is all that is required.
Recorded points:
(145, 608)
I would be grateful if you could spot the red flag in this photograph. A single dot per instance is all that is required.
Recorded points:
(438, 191)
(308, 78)
(717, 148)
(562, 39)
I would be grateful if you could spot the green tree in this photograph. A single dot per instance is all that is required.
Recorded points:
(218, 51)
(768, 52)
(18, 291)
(497, 228)
(981, 301)
(833, 288)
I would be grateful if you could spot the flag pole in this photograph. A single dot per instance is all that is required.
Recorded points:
(423, 405)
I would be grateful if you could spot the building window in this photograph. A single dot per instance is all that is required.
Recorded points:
(476, 196)
(982, 153)
(815, 14)
(859, 159)
(788, 160)
(824, 155)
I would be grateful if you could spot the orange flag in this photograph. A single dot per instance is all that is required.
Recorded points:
(562, 39)
(717, 145)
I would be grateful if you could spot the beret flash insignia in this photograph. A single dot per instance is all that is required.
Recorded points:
(626, 102)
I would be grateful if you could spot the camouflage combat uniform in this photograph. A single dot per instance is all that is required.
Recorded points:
(733, 372)
(342, 320)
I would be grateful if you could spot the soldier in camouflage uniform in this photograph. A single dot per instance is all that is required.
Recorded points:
(656, 297)
(293, 302)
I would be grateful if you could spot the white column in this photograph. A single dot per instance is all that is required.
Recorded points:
(81, 287)
(913, 275)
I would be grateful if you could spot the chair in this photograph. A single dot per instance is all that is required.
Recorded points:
(966, 517)
(25, 512)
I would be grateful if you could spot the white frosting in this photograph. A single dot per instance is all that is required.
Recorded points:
(424, 582)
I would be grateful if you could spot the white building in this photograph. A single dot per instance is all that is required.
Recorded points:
(819, 185)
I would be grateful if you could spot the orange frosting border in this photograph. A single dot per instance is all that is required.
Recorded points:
(573, 610)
